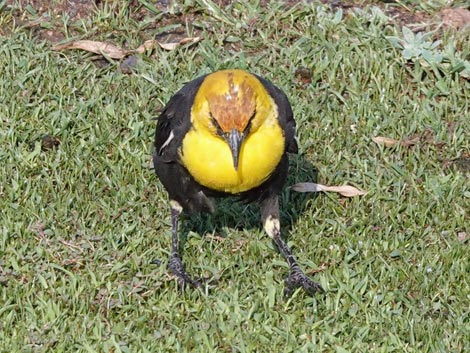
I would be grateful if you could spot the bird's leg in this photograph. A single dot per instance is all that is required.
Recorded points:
(175, 266)
(297, 278)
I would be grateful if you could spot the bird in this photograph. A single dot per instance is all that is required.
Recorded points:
(227, 134)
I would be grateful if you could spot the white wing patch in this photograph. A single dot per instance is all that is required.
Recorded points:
(167, 142)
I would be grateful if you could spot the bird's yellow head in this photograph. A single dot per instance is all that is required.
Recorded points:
(231, 104)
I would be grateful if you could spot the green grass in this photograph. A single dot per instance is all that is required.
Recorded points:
(83, 222)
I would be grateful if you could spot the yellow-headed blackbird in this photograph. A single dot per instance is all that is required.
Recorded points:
(227, 134)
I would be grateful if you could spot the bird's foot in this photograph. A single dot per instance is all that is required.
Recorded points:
(176, 268)
(297, 279)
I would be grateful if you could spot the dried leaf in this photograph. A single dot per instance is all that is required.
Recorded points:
(106, 49)
(344, 190)
(116, 52)
(152, 44)
(172, 46)
(189, 40)
(169, 46)
(386, 141)
(147, 45)
(307, 187)
(410, 141)
(425, 137)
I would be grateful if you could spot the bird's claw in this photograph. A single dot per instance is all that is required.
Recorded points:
(297, 279)
(176, 268)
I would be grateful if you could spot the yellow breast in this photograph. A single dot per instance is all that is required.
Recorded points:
(209, 161)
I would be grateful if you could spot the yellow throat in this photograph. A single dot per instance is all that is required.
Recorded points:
(232, 99)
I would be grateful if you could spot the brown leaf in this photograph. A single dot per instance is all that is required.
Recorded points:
(411, 141)
(102, 48)
(344, 190)
(307, 187)
(425, 137)
(172, 46)
(153, 43)
(169, 46)
(116, 52)
(147, 45)
(189, 40)
(386, 141)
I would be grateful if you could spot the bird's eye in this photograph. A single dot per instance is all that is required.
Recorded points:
(216, 125)
(248, 126)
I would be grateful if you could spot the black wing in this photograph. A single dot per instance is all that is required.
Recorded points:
(286, 116)
(173, 124)
(175, 121)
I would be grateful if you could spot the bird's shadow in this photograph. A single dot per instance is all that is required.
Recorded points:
(230, 214)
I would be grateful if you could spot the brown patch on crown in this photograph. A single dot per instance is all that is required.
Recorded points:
(233, 109)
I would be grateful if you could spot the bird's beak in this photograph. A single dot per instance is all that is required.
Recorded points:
(234, 139)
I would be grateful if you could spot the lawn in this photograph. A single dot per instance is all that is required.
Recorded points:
(85, 231)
